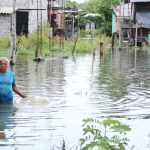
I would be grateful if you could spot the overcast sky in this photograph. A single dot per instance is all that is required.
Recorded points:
(80, 1)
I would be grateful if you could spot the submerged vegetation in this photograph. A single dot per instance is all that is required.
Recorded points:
(26, 45)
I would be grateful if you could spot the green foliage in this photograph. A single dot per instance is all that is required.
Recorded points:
(27, 45)
(105, 39)
(4, 45)
(82, 46)
(83, 33)
(103, 135)
(102, 7)
(4, 42)
(71, 4)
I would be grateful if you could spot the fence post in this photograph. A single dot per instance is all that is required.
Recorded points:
(101, 48)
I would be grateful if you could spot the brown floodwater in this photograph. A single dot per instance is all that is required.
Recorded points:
(63, 92)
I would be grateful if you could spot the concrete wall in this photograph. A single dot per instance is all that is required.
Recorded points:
(4, 24)
(22, 4)
(33, 14)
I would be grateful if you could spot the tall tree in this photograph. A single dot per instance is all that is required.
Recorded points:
(71, 3)
(104, 7)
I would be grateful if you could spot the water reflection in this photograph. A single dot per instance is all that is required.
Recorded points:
(7, 124)
(6, 117)
(110, 85)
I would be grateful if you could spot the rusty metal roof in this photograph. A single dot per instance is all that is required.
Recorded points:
(6, 10)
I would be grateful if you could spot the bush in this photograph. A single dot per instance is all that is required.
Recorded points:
(83, 33)
(4, 42)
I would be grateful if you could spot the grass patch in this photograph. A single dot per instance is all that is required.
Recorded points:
(56, 45)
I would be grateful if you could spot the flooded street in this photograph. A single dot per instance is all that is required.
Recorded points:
(63, 92)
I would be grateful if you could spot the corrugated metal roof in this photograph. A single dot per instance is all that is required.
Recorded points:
(6, 10)
(132, 1)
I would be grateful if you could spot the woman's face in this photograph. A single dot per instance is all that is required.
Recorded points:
(3, 66)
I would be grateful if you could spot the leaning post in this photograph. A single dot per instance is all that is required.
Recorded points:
(13, 35)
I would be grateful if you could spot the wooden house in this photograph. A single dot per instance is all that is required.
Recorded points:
(121, 23)
(121, 19)
(131, 21)
(141, 17)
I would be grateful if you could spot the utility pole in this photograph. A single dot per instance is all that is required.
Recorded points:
(13, 35)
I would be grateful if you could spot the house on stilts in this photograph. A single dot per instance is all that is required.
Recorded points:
(121, 23)
(131, 22)
(141, 20)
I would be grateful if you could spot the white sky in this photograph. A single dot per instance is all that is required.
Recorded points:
(79, 1)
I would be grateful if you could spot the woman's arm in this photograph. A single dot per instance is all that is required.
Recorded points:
(17, 91)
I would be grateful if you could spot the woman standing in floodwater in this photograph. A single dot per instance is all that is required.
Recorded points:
(7, 83)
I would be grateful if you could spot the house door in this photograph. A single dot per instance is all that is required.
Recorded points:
(22, 23)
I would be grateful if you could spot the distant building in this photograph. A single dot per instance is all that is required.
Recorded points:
(89, 27)
(141, 16)
(132, 20)
(26, 14)
(121, 17)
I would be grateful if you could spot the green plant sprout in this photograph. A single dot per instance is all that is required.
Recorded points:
(103, 135)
